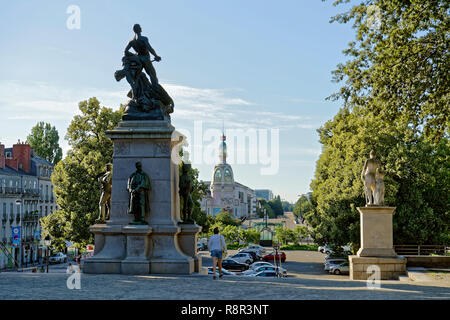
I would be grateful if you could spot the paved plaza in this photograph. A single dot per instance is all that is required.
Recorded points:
(307, 281)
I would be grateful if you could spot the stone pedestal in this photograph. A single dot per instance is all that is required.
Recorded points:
(376, 232)
(187, 241)
(377, 250)
(390, 268)
(153, 248)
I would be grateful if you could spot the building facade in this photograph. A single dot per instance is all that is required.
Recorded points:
(225, 194)
(265, 194)
(26, 195)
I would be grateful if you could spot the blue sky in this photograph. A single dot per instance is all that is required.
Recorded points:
(251, 64)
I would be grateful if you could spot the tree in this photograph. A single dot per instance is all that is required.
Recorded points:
(284, 235)
(287, 206)
(395, 102)
(263, 206)
(226, 218)
(300, 233)
(230, 233)
(302, 206)
(249, 235)
(400, 67)
(276, 206)
(75, 177)
(44, 139)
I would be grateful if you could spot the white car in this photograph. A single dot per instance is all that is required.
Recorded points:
(256, 247)
(242, 257)
(265, 273)
(256, 265)
(332, 262)
(340, 268)
(58, 258)
(250, 272)
(326, 249)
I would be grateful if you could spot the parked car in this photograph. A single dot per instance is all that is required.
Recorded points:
(272, 256)
(224, 271)
(332, 262)
(340, 268)
(242, 257)
(58, 258)
(202, 246)
(323, 248)
(254, 254)
(327, 249)
(265, 273)
(231, 264)
(256, 247)
(282, 271)
(256, 265)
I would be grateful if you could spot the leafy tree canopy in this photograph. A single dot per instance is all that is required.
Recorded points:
(44, 139)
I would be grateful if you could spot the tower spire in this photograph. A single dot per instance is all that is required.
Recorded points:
(223, 146)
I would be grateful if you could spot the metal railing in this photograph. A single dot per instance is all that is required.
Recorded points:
(420, 249)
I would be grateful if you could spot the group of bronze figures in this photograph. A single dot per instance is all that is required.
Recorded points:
(149, 101)
(139, 187)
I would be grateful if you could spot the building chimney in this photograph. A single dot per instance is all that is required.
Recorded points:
(2, 156)
(22, 153)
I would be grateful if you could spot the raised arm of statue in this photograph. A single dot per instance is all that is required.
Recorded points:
(127, 49)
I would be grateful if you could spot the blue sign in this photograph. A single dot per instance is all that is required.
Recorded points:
(37, 234)
(16, 236)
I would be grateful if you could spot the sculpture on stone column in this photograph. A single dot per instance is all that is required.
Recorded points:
(139, 189)
(149, 100)
(368, 176)
(185, 192)
(105, 198)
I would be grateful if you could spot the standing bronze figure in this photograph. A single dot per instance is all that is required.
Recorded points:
(139, 188)
(149, 100)
(185, 192)
(105, 198)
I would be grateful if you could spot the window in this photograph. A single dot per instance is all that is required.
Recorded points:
(228, 176)
(218, 175)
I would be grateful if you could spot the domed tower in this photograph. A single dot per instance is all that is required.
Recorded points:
(222, 183)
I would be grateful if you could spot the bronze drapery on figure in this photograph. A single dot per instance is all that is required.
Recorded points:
(185, 191)
(149, 100)
(105, 198)
(139, 188)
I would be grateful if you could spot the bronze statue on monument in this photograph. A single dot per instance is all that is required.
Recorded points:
(149, 100)
(105, 198)
(139, 189)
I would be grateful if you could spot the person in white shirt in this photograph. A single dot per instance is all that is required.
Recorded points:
(217, 245)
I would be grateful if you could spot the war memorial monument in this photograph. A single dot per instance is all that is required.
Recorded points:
(141, 230)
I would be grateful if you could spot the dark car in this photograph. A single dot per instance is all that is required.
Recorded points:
(255, 257)
(234, 265)
(272, 256)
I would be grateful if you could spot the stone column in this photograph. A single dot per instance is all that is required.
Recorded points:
(150, 142)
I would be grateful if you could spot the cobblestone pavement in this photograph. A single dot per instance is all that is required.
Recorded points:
(307, 281)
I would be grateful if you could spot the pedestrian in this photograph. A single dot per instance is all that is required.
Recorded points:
(217, 246)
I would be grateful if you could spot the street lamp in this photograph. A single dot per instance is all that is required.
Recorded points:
(47, 242)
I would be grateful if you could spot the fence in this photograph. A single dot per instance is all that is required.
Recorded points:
(421, 250)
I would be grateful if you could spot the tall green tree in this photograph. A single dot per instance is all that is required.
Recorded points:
(277, 206)
(399, 62)
(396, 99)
(75, 177)
(302, 206)
(44, 139)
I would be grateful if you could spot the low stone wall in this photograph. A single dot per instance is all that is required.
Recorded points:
(428, 261)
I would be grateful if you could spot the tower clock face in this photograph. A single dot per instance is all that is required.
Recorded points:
(228, 176)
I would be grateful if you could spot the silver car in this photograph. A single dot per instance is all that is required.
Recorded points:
(340, 268)
(330, 262)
